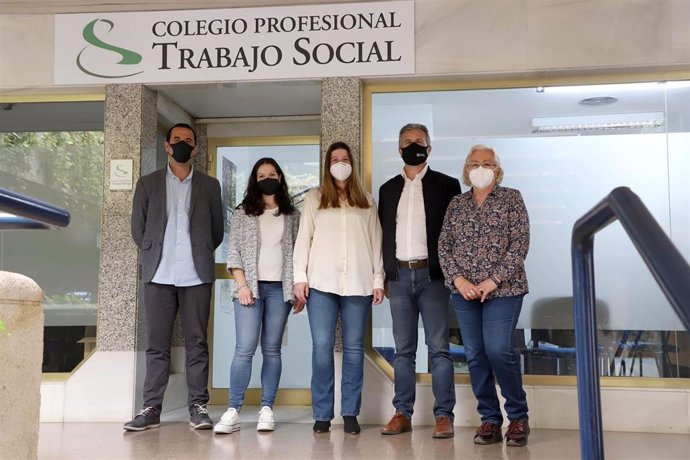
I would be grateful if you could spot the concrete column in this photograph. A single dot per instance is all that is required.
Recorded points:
(130, 133)
(341, 120)
(21, 355)
(341, 114)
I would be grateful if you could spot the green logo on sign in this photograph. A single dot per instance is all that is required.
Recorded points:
(128, 57)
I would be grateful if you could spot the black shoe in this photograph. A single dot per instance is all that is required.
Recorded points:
(199, 418)
(322, 426)
(351, 425)
(146, 419)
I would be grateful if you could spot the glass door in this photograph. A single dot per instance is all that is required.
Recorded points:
(232, 162)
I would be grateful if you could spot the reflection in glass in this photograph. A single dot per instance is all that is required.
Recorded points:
(65, 169)
(300, 163)
(562, 172)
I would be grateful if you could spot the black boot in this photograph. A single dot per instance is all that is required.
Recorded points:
(351, 425)
(322, 426)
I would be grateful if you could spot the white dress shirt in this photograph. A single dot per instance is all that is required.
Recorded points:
(410, 221)
(338, 250)
(177, 264)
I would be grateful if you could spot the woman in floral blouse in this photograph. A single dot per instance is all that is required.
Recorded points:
(482, 249)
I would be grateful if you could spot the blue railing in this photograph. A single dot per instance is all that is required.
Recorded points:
(664, 261)
(29, 213)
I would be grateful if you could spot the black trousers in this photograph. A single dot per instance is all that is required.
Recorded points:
(163, 301)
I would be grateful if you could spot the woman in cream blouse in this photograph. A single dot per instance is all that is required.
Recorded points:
(338, 269)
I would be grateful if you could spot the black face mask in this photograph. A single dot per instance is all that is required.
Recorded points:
(182, 151)
(269, 186)
(414, 154)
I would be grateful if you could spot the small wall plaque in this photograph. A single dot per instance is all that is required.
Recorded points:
(121, 174)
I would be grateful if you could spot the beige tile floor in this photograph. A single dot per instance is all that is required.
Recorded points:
(293, 439)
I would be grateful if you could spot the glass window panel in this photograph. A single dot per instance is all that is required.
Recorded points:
(296, 342)
(64, 169)
(300, 163)
(562, 172)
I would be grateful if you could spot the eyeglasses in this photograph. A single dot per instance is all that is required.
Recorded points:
(486, 165)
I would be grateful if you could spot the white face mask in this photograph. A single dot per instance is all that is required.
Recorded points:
(481, 177)
(341, 171)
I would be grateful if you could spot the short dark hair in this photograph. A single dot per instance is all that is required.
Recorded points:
(410, 127)
(180, 125)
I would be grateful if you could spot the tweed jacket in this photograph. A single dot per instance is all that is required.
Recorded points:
(149, 219)
(245, 244)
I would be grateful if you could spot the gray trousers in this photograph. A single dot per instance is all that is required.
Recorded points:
(163, 301)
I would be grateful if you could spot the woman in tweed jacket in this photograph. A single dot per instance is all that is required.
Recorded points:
(262, 236)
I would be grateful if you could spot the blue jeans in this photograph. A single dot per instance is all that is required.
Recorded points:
(265, 319)
(323, 309)
(488, 333)
(411, 295)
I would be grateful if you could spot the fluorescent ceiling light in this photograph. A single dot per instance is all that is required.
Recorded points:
(602, 88)
(677, 84)
(652, 85)
(598, 122)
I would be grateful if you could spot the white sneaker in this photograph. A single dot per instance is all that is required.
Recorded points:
(229, 422)
(266, 422)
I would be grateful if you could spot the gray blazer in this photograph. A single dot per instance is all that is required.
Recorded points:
(149, 219)
(244, 245)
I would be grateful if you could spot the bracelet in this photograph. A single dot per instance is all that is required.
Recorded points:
(494, 279)
(240, 287)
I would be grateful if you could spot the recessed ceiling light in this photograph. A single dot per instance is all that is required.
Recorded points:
(599, 100)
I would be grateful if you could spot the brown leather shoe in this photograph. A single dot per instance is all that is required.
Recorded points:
(444, 428)
(488, 433)
(397, 424)
(517, 434)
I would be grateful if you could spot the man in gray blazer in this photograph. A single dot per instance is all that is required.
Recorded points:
(177, 223)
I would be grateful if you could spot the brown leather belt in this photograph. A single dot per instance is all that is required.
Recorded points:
(413, 264)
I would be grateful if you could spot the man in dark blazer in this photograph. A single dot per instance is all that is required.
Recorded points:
(412, 206)
(177, 223)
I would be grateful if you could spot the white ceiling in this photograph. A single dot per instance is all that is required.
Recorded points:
(492, 111)
(246, 99)
(50, 116)
(450, 114)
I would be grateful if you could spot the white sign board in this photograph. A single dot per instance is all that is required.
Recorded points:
(355, 39)
(121, 174)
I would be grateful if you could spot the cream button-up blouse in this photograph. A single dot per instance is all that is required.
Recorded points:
(338, 250)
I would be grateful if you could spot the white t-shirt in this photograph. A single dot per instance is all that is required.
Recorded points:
(270, 266)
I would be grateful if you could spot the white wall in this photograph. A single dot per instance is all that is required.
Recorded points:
(453, 37)
(551, 407)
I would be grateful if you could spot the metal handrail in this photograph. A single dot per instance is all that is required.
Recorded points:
(664, 261)
(29, 213)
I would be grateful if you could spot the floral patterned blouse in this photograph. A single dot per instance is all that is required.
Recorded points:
(487, 241)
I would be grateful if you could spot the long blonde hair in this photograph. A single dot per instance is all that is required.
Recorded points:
(356, 197)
